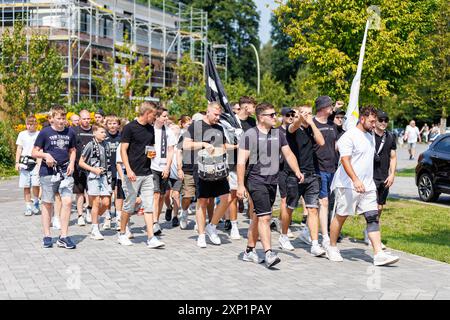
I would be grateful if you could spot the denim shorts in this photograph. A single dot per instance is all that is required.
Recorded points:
(325, 184)
(309, 190)
(64, 187)
(99, 186)
(28, 179)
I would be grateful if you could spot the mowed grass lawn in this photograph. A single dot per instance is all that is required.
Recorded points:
(408, 226)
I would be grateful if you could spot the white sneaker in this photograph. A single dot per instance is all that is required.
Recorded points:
(212, 234)
(56, 224)
(252, 256)
(96, 235)
(88, 216)
(317, 251)
(304, 236)
(28, 212)
(285, 244)
(333, 254)
(124, 241)
(155, 243)
(117, 224)
(128, 233)
(201, 241)
(35, 209)
(326, 242)
(81, 221)
(183, 220)
(157, 229)
(290, 234)
(196, 227)
(234, 234)
(384, 259)
(106, 224)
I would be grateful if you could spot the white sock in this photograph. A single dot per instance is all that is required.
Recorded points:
(326, 237)
(234, 224)
(94, 226)
(29, 205)
(202, 235)
(213, 226)
(315, 242)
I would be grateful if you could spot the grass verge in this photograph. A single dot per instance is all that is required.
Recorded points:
(411, 172)
(7, 172)
(411, 227)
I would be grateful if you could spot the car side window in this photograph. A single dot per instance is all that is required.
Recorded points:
(443, 145)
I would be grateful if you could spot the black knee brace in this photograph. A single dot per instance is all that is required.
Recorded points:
(372, 219)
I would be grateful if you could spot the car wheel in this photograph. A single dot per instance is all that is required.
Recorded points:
(426, 189)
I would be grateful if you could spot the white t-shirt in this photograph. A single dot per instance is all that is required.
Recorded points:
(361, 147)
(26, 140)
(158, 164)
(174, 166)
(412, 134)
(119, 160)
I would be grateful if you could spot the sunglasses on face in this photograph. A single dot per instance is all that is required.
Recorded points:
(290, 115)
(272, 115)
(340, 118)
(383, 120)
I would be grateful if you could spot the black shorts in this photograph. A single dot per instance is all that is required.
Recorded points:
(309, 190)
(210, 189)
(263, 197)
(80, 181)
(113, 183)
(120, 192)
(160, 185)
(382, 192)
(175, 184)
(282, 183)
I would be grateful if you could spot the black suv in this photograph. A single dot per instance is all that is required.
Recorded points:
(433, 170)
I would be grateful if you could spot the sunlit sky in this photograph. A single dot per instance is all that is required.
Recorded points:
(264, 26)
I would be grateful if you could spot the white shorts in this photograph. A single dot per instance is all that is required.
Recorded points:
(232, 180)
(28, 179)
(348, 201)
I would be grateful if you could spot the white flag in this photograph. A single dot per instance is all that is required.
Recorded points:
(352, 115)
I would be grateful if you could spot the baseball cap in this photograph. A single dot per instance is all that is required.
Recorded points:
(286, 110)
(101, 112)
(323, 102)
(340, 111)
(382, 115)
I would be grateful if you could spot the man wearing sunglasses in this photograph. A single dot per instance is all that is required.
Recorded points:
(384, 165)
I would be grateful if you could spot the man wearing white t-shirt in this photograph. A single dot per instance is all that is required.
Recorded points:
(355, 187)
(28, 166)
(164, 148)
(412, 134)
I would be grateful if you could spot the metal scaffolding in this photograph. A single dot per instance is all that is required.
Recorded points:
(88, 31)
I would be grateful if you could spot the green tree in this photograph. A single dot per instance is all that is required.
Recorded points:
(328, 33)
(122, 85)
(303, 89)
(30, 73)
(238, 88)
(236, 23)
(273, 91)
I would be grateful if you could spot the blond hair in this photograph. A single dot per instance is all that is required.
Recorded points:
(146, 106)
(57, 110)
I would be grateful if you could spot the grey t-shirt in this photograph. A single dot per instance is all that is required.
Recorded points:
(95, 154)
(265, 150)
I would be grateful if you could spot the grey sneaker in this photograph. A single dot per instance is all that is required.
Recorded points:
(211, 232)
(271, 259)
(252, 256)
(304, 236)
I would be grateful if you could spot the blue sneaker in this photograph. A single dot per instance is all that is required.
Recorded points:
(66, 243)
(47, 242)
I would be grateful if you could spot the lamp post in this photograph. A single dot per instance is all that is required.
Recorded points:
(257, 66)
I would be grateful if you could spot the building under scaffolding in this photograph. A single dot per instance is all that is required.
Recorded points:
(88, 31)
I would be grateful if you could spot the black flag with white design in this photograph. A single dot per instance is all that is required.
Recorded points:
(216, 92)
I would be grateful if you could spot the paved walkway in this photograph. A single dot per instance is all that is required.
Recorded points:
(105, 270)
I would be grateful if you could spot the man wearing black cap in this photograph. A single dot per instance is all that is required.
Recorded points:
(385, 163)
(326, 158)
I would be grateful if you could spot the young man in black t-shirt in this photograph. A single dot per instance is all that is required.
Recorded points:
(137, 150)
(302, 135)
(384, 165)
(207, 134)
(83, 134)
(261, 147)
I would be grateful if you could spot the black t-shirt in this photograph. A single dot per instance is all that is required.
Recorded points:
(381, 168)
(326, 154)
(139, 137)
(83, 137)
(188, 156)
(302, 143)
(282, 160)
(248, 123)
(200, 131)
(113, 141)
(265, 150)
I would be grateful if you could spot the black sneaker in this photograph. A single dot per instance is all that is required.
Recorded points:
(47, 242)
(66, 243)
(169, 214)
(175, 222)
(340, 238)
(227, 225)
